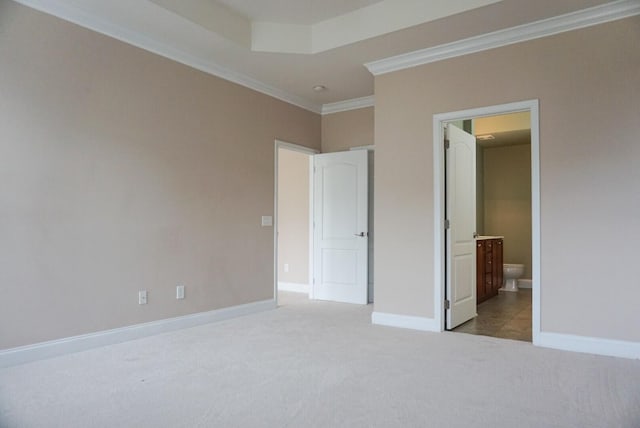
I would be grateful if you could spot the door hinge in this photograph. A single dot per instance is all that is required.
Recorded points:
(447, 224)
(447, 304)
(446, 144)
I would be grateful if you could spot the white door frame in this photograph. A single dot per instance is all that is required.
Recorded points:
(439, 202)
(306, 150)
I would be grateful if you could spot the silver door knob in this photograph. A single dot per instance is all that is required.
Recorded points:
(361, 234)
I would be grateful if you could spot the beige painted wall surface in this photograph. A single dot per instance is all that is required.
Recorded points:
(588, 84)
(346, 129)
(507, 200)
(293, 216)
(480, 190)
(121, 170)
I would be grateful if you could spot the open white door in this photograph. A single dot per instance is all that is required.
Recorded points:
(340, 227)
(461, 213)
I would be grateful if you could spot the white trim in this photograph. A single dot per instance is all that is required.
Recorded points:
(571, 21)
(346, 105)
(295, 147)
(590, 345)
(384, 17)
(278, 144)
(405, 321)
(311, 223)
(54, 348)
(370, 147)
(439, 202)
(535, 218)
(76, 15)
(294, 287)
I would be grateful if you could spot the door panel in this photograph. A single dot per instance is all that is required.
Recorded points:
(339, 209)
(461, 213)
(340, 227)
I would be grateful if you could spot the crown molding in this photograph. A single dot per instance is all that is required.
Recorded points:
(76, 15)
(352, 104)
(571, 21)
(384, 17)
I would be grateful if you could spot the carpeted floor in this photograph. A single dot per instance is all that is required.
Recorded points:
(320, 364)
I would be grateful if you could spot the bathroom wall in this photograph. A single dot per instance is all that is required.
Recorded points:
(507, 200)
(480, 190)
(502, 123)
(293, 216)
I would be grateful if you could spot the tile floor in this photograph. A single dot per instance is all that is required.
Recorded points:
(508, 315)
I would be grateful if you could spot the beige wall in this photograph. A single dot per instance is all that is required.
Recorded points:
(121, 170)
(480, 190)
(588, 84)
(346, 129)
(507, 200)
(293, 216)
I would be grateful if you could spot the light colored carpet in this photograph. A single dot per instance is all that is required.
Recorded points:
(320, 364)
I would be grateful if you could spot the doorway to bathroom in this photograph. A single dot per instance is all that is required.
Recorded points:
(488, 216)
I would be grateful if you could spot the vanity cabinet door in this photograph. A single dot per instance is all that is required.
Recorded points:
(488, 268)
(480, 272)
(497, 265)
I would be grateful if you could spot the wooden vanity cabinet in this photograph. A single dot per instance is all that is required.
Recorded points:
(489, 268)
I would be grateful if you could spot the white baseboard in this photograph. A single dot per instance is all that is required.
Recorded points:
(589, 345)
(294, 286)
(525, 283)
(54, 348)
(405, 321)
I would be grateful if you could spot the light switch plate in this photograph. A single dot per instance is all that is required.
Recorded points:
(267, 220)
(179, 291)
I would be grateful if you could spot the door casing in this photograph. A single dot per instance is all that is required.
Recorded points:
(439, 202)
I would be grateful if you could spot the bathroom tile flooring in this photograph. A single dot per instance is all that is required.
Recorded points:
(507, 315)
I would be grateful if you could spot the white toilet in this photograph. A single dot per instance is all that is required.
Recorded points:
(511, 272)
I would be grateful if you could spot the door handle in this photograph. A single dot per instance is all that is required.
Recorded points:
(361, 234)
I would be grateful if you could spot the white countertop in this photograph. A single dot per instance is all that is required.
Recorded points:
(479, 238)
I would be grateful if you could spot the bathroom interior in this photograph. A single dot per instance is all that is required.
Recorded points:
(503, 202)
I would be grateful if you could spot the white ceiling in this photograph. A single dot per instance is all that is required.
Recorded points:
(217, 37)
(303, 12)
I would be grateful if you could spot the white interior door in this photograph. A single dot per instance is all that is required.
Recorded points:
(461, 213)
(340, 238)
